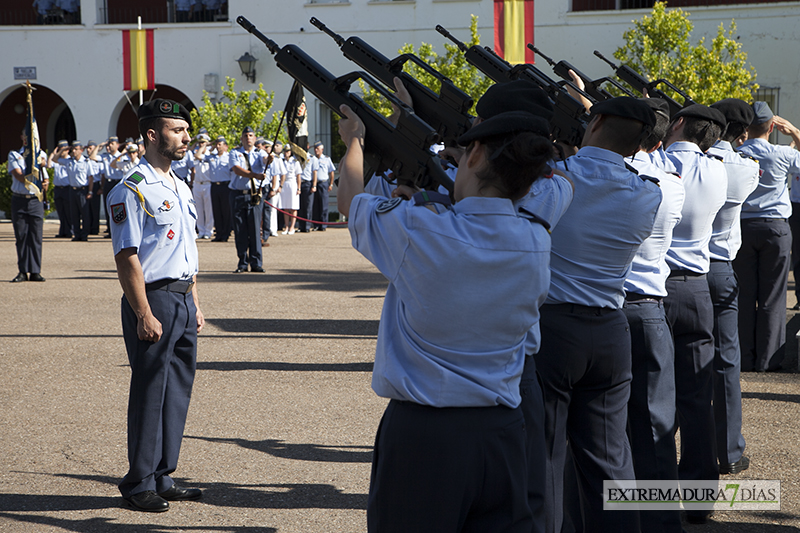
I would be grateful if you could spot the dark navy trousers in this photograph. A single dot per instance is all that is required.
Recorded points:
(585, 366)
(727, 362)
(794, 225)
(61, 199)
(536, 453)
(449, 469)
(762, 266)
(162, 374)
(306, 204)
(691, 316)
(94, 209)
(79, 212)
(651, 408)
(221, 209)
(27, 217)
(320, 209)
(246, 229)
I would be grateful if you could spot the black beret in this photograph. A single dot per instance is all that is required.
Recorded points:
(702, 112)
(248, 129)
(658, 105)
(517, 95)
(762, 111)
(735, 110)
(626, 107)
(508, 123)
(163, 108)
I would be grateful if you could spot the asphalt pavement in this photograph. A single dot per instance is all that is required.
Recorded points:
(282, 419)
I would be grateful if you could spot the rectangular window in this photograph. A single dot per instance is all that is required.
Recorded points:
(161, 11)
(25, 13)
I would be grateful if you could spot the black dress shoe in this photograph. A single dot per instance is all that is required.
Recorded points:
(22, 276)
(735, 468)
(256, 269)
(36, 277)
(178, 494)
(240, 270)
(148, 501)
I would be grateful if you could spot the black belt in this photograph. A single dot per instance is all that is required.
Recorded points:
(61, 186)
(719, 260)
(632, 297)
(763, 219)
(579, 309)
(181, 286)
(686, 274)
(80, 188)
(18, 195)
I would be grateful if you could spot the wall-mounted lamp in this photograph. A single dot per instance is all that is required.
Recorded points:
(248, 65)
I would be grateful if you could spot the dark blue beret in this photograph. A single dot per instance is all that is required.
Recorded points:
(626, 107)
(702, 112)
(517, 95)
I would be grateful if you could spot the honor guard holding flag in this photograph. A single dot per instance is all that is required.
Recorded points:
(153, 220)
(28, 189)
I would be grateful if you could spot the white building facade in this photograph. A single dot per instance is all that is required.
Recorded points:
(82, 65)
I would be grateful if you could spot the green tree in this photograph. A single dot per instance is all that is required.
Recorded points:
(658, 47)
(452, 65)
(5, 190)
(235, 111)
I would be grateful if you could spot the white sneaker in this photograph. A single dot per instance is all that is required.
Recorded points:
(285, 232)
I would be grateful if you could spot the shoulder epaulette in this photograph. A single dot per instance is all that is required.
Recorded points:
(715, 156)
(745, 156)
(533, 217)
(135, 178)
(431, 197)
(650, 179)
(631, 169)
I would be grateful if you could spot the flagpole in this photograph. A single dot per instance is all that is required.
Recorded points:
(141, 93)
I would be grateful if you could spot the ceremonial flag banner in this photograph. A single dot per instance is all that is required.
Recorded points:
(137, 60)
(296, 114)
(513, 30)
(34, 176)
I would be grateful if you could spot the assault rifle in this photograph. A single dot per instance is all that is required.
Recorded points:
(403, 149)
(447, 112)
(593, 87)
(642, 84)
(569, 121)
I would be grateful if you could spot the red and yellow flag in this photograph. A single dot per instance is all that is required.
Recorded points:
(513, 30)
(137, 60)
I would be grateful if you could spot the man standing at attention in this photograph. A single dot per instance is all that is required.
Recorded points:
(247, 173)
(762, 265)
(27, 215)
(153, 219)
(321, 185)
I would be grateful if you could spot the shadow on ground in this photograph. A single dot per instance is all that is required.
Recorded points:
(301, 452)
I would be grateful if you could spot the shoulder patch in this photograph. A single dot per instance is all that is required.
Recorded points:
(118, 213)
(388, 205)
(135, 177)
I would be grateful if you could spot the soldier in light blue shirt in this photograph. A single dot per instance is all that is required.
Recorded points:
(219, 169)
(322, 183)
(246, 189)
(453, 378)
(762, 264)
(726, 238)
(27, 212)
(688, 304)
(61, 188)
(651, 408)
(80, 183)
(153, 222)
(585, 356)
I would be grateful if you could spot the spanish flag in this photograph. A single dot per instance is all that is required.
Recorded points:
(513, 30)
(137, 60)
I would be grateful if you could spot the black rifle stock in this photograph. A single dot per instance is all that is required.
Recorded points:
(569, 121)
(447, 112)
(403, 149)
(642, 84)
(593, 87)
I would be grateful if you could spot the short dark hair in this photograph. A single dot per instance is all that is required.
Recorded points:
(733, 131)
(704, 133)
(757, 130)
(514, 163)
(657, 135)
(625, 135)
(150, 123)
